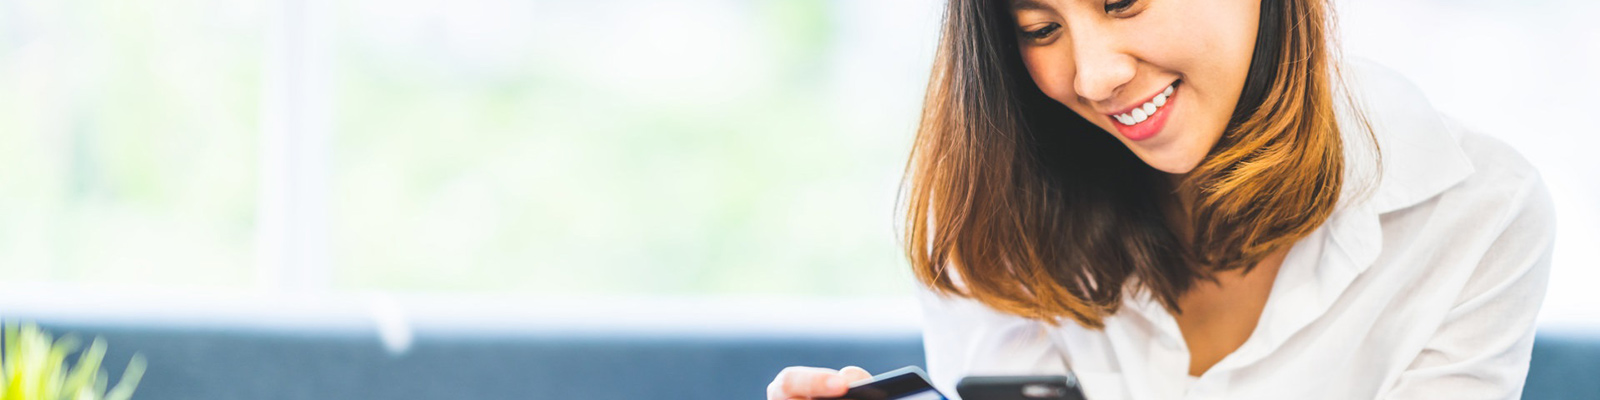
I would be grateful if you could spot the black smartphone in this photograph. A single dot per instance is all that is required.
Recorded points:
(1033, 387)
(909, 383)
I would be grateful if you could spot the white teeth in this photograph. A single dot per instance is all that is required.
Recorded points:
(1144, 111)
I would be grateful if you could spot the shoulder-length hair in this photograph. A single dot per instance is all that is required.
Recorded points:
(1016, 201)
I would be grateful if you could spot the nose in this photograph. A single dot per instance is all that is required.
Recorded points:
(1102, 67)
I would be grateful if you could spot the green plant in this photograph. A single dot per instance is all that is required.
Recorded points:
(34, 367)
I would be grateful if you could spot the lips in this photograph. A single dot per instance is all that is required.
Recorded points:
(1144, 120)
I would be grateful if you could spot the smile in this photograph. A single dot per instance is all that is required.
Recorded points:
(1145, 120)
(1142, 113)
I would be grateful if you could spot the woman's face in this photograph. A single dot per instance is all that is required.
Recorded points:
(1162, 76)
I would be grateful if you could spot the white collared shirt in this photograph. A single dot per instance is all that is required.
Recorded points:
(1423, 286)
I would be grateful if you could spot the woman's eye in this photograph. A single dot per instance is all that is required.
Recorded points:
(1119, 5)
(1042, 32)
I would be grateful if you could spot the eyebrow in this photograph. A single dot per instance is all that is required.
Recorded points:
(1020, 5)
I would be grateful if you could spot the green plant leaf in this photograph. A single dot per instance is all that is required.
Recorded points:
(33, 366)
(84, 373)
(130, 379)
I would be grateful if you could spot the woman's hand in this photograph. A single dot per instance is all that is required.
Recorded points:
(805, 383)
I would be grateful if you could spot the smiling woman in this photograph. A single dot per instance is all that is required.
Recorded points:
(1172, 198)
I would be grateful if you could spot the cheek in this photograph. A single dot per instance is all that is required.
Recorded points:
(1052, 72)
(1211, 44)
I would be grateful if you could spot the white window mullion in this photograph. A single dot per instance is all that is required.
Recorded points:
(293, 241)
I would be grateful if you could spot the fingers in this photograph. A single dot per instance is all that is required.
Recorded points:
(807, 382)
(853, 373)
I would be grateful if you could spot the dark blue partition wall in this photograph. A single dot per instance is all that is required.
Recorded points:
(1566, 365)
(218, 362)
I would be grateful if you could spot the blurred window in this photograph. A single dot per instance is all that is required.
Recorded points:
(128, 141)
(593, 147)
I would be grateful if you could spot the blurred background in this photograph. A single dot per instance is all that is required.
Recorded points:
(676, 165)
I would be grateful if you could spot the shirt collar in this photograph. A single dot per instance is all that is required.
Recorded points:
(1421, 155)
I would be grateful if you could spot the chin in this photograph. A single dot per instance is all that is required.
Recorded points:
(1179, 154)
(1176, 164)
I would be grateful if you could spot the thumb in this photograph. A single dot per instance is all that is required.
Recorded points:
(854, 373)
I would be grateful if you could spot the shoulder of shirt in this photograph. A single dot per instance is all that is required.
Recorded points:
(1498, 169)
(1426, 155)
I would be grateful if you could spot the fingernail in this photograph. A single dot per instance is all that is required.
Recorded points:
(837, 383)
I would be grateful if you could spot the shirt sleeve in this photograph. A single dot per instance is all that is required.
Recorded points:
(1482, 348)
(963, 337)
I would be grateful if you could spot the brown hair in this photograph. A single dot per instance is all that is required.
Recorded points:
(1043, 215)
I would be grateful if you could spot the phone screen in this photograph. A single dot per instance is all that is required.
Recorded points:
(908, 383)
(1020, 387)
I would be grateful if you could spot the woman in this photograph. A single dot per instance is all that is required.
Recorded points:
(1189, 199)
